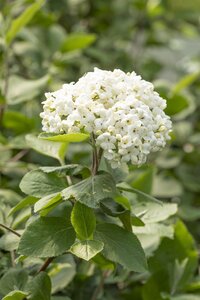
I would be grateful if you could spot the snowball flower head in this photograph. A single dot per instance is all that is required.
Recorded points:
(121, 110)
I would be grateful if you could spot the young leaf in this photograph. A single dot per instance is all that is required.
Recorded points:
(63, 138)
(28, 201)
(52, 149)
(15, 295)
(91, 190)
(86, 249)
(121, 246)
(47, 201)
(83, 220)
(22, 20)
(39, 287)
(47, 237)
(39, 184)
(76, 41)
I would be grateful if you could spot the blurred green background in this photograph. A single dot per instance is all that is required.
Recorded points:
(45, 44)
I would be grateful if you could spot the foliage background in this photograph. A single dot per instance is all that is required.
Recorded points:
(159, 39)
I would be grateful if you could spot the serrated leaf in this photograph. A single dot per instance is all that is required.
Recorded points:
(39, 184)
(63, 138)
(121, 246)
(15, 295)
(39, 287)
(47, 237)
(83, 220)
(87, 249)
(52, 149)
(91, 190)
(22, 20)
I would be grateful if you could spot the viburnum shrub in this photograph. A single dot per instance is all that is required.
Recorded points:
(88, 211)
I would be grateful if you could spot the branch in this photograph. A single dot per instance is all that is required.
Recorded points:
(10, 229)
(46, 264)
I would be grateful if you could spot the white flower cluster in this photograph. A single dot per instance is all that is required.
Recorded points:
(122, 110)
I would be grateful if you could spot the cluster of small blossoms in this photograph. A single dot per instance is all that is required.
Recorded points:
(120, 109)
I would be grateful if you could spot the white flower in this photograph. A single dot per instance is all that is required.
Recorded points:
(121, 110)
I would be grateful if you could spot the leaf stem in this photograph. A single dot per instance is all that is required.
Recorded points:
(10, 229)
(100, 286)
(46, 264)
(96, 157)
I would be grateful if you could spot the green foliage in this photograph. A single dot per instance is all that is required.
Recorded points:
(83, 220)
(97, 230)
(13, 279)
(40, 287)
(15, 295)
(87, 249)
(91, 190)
(37, 183)
(22, 20)
(70, 137)
(121, 246)
(47, 237)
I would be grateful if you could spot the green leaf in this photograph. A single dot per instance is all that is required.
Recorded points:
(39, 287)
(23, 20)
(144, 180)
(181, 247)
(176, 104)
(72, 169)
(77, 41)
(52, 149)
(63, 138)
(47, 201)
(86, 249)
(185, 82)
(83, 220)
(91, 190)
(150, 212)
(13, 279)
(47, 237)
(185, 297)
(121, 246)
(61, 272)
(9, 242)
(15, 295)
(151, 234)
(39, 184)
(28, 201)
(126, 188)
(17, 122)
(115, 209)
(22, 90)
